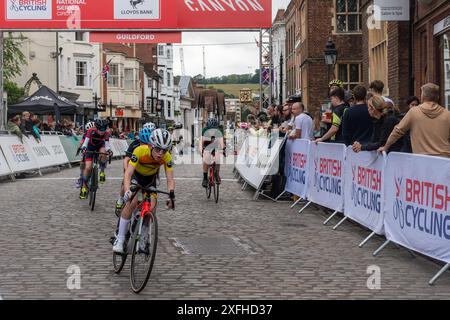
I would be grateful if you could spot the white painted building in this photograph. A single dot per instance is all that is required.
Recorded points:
(165, 71)
(64, 62)
(278, 50)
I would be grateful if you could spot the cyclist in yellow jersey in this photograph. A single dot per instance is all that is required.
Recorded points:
(142, 169)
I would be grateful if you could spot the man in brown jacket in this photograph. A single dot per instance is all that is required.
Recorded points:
(429, 126)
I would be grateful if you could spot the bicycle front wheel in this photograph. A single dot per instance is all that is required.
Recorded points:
(93, 189)
(143, 255)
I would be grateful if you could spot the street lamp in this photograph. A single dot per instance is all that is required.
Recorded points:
(110, 114)
(96, 105)
(330, 55)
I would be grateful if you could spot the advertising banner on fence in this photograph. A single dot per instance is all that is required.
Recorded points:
(70, 145)
(4, 168)
(49, 152)
(297, 167)
(364, 189)
(134, 14)
(417, 212)
(118, 147)
(19, 156)
(256, 160)
(326, 181)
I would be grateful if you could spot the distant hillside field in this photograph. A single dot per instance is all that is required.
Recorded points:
(235, 88)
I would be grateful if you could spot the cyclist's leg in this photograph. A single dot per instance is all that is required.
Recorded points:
(206, 162)
(102, 159)
(82, 166)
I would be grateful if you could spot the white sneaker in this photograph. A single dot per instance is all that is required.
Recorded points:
(118, 246)
(144, 239)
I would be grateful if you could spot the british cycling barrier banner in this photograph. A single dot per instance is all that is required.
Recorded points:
(364, 189)
(70, 145)
(19, 156)
(118, 147)
(417, 211)
(131, 15)
(326, 179)
(258, 158)
(4, 168)
(49, 152)
(297, 167)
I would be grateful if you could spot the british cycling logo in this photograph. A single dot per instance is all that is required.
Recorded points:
(136, 9)
(29, 9)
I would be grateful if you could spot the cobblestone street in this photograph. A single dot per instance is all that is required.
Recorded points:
(236, 249)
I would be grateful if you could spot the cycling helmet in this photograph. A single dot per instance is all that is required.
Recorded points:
(144, 135)
(337, 83)
(89, 125)
(149, 125)
(212, 123)
(101, 124)
(161, 138)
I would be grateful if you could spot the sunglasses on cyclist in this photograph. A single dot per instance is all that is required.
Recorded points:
(159, 150)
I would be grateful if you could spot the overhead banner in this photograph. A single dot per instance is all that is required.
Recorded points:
(326, 182)
(297, 167)
(16, 15)
(135, 37)
(19, 156)
(417, 212)
(364, 189)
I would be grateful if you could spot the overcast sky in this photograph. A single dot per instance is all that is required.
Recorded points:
(221, 59)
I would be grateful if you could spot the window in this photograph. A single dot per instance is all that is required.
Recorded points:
(113, 77)
(378, 63)
(161, 50)
(161, 74)
(350, 74)
(348, 16)
(168, 53)
(81, 73)
(148, 105)
(121, 72)
(149, 83)
(80, 36)
(129, 79)
(169, 112)
(168, 79)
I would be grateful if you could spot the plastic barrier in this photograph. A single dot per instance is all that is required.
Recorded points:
(49, 152)
(19, 156)
(4, 168)
(70, 145)
(364, 189)
(297, 164)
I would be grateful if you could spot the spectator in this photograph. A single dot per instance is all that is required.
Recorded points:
(357, 123)
(286, 118)
(376, 88)
(410, 103)
(429, 126)
(384, 122)
(14, 127)
(339, 108)
(335, 84)
(275, 117)
(45, 127)
(349, 98)
(303, 124)
(27, 125)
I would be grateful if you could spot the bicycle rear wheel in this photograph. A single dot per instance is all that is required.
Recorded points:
(216, 187)
(210, 183)
(142, 261)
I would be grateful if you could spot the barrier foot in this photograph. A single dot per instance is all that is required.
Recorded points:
(40, 173)
(366, 240)
(244, 186)
(268, 197)
(306, 206)
(331, 217)
(381, 248)
(70, 166)
(12, 177)
(339, 223)
(276, 199)
(256, 196)
(445, 268)
(296, 202)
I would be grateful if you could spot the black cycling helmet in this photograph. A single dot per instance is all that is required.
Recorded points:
(101, 124)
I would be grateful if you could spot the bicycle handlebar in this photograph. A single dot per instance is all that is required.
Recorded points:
(135, 187)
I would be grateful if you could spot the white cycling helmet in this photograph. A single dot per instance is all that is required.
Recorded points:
(89, 125)
(161, 138)
(149, 125)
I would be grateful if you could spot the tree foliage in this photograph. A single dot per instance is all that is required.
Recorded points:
(230, 79)
(13, 58)
(14, 92)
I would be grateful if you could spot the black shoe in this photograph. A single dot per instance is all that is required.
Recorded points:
(205, 183)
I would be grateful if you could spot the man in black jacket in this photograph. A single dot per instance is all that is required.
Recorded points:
(27, 125)
(357, 124)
